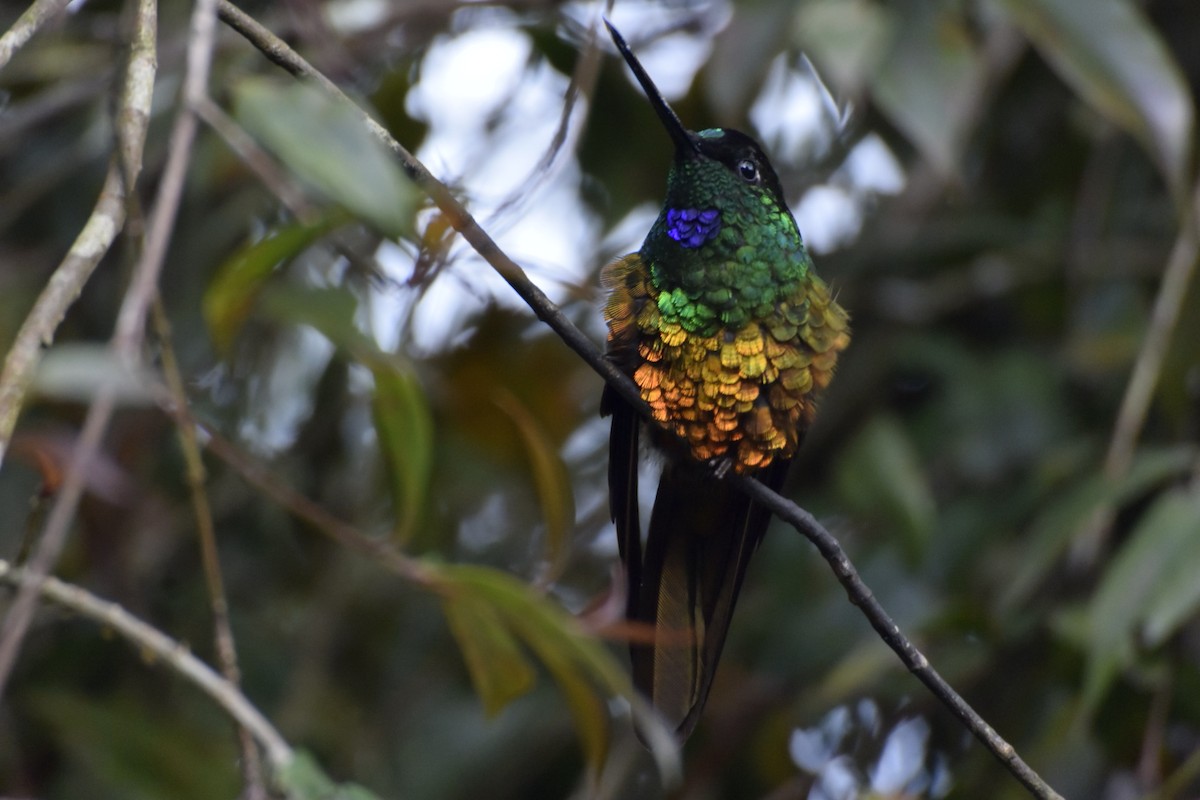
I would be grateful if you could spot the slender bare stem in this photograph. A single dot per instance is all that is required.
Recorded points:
(223, 641)
(345, 534)
(27, 25)
(169, 651)
(1177, 276)
(1143, 380)
(545, 310)
(106, 221)
(131, 319)
(916, 662)
(65, 285)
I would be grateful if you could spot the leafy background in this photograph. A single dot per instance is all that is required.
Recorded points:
(967, 455)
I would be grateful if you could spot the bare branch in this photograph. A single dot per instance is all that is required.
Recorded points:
(64, 286)
(169, 651)
(916, 662)
(1177, 276)
(38, 329)
(545, 310)
(223, 641)
(345, 534)
(133, 115)
(1143, 380)
(26, 26)
(131, 320)
(98, 234)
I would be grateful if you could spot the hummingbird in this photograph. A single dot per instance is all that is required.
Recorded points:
(729, 334)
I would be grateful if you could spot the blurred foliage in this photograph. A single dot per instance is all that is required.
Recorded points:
(999, 299)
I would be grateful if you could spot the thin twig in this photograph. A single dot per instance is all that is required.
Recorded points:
(549, 313)
(131, 319)
(916, 662)
(106, 221)
(65, 285)
(167, 650)
(345, 534)
(226, 649)
(289, 193)
(462, 221)
(1143, 380)
(27, 25)
(1177, 276)
(269, 173)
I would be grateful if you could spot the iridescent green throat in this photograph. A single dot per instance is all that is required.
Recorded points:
(753, 262)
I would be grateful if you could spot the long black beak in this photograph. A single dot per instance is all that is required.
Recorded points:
(685, 143)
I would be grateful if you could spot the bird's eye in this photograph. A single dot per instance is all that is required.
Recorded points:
(748, 170)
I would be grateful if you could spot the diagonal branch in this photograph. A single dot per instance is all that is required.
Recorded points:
(38, 13)
(1168, 306)
(197, 478)
(65, 285)
(916, 662)
(131, 320)
(1147, 369)
(169, 651)
(106, 221)
(549, 313)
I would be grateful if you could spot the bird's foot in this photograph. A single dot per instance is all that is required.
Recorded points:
(720, 467)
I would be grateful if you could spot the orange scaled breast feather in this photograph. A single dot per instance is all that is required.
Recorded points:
(744, 394)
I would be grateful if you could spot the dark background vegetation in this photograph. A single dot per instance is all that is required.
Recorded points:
(968, 454)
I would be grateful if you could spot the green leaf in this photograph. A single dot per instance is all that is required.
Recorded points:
(1151, 582)
(1175, 595)
(404, 425)
(330, 310)
(125, 746)
(576, 662)
(231, 296)
(551, 478)
(303, 779)
(322, 139)
(848, 39)
(580, 664)
(881, 472)
(574, 667)
(403, 421)
(1074, 506)
(587, 706)
(928, 83)
(77, 372)
(498, 668)
(1111, 55)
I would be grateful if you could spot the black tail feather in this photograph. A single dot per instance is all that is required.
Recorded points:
(686, 580)
(701, 536)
